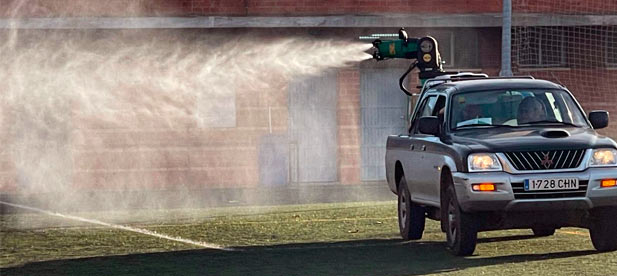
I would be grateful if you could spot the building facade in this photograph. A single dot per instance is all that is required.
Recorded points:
(274, 138)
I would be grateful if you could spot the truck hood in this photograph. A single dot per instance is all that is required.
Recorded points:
(530, 139)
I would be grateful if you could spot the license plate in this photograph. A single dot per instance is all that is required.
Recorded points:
(551, 184)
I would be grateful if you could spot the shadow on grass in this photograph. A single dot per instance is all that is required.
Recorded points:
(359, 257)
(506, 238)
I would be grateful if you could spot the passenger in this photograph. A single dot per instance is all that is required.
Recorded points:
(470, 112)
(530, 110)
(441, 115)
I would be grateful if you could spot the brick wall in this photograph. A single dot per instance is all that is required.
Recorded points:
(593, 85)
(7, 168)
(151, 155)
(595, 89)
(160, 158)
(565, 6)
(7, 171)
(348, 113)
(489, 47)
(313, 7)
(94, 8)
(59, 8)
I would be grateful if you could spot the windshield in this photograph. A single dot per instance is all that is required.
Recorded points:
(514, 108)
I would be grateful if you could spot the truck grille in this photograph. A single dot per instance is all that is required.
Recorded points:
(545, 160)
(520, 193)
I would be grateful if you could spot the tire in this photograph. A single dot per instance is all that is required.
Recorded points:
(543, 232)
(462, 229)
(602, 230)
(411, 216)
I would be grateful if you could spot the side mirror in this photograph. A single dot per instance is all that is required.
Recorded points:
(429, 125)
(598, 119)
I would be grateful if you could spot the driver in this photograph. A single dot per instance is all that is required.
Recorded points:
(471, 111)
(530, 110)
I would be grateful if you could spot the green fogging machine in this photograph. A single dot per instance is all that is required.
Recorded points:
(423, 51)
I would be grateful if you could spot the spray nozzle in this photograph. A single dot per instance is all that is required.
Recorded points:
(423, 51)
(376, 54)
(402, 34)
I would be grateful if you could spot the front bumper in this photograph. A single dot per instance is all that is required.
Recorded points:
(504, 198)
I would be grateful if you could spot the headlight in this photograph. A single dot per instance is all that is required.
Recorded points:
(483, 162)
(603, 158)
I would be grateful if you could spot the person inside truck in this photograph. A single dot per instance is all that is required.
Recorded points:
(471, 111)
(473, 114)
(531, 110)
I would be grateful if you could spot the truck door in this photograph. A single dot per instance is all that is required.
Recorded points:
(415, 162)
(432, 157)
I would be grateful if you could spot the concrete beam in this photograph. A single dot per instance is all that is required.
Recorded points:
(541, 19)
(345, 21)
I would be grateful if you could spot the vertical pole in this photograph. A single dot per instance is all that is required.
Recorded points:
(506, 40)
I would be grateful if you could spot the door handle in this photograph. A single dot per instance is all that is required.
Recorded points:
(412, 147)
(423, 147)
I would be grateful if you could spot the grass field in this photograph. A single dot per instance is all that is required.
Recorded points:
(318, 239)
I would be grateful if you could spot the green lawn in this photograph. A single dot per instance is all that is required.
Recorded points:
(319, 239)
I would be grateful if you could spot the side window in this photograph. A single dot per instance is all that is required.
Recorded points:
(440, 109)
(439, 106)
(426, 109)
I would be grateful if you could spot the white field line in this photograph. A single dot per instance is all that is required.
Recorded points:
(116, 226)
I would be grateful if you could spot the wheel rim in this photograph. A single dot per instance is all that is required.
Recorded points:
(403, 209)
(452, 221)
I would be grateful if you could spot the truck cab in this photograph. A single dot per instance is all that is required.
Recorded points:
(486, 154)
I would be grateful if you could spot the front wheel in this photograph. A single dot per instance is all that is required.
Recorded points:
(461, 228)
(411, 216)
(602, 230)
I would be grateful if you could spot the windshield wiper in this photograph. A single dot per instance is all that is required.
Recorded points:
(550, 122)
(485, 125)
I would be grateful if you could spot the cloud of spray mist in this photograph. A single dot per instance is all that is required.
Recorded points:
(116, 78)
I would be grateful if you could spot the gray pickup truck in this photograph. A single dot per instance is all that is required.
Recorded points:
(503, 153)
